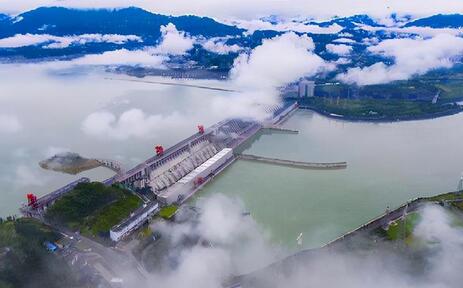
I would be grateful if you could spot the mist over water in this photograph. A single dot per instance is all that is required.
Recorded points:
(44, 111)
(228, 243)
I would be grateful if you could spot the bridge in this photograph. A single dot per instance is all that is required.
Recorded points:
(38, 207)
(111, 164)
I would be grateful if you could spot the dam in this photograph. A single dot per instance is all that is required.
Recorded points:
(174, 174)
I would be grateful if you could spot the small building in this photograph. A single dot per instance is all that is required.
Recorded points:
(50, 246)
(135, 220)
(306, 88)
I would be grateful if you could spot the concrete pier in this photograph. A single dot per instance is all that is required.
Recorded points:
(294, 164)
(281, 130)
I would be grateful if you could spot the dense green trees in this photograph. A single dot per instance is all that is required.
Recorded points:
(93, 208)
(24, 261)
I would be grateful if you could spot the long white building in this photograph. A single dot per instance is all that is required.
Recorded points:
(134, 221)
(184, 187)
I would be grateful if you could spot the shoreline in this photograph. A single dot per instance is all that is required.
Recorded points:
(383, 119)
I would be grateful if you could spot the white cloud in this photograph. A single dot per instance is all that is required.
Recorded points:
(224, 243)
(218, 46)
(275, 63)
(9, 124)
(173, 42)
(52, 151)
(131, 123)
(343, 61)
(344, 40)
(236, 245)
(254, 25)
(122, 57)
(341, 49)
(21, 40)
(411, 57)
(422, 31)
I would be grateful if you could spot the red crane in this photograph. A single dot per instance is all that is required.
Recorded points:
(201, 129)
(159, 150)
(198, 181)
(31, 200)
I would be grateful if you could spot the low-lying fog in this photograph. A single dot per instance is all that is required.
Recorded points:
(233, 244)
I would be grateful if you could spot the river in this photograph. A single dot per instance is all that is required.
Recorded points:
(388, 163)
(43, 111)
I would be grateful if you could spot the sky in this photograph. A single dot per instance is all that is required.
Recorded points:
(252, 9)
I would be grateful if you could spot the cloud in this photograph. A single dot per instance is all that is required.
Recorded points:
(259, 73)
(278, 61)
(220, 242)
(254, 25)
(9, 124)
(131, 123)
(121, 57)
(411, 57)
(218, 46)
(344, 40)
(226, 243)
(52, 151)
(339, 49)
(173, 42)
(343, 61)
(422, 31)
(57, 42)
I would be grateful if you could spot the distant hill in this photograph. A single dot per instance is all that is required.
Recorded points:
(349, 22)
(63, 21)
(439, 21)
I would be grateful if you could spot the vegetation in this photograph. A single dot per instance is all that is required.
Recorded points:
(403, 228)
(93, 208)
(379, 109)
(402, 90)
(168, 211)
(25, 262)
(113, 214)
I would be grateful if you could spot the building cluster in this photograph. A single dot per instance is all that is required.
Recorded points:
(306, 88)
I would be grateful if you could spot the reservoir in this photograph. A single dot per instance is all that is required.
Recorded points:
(388, 163)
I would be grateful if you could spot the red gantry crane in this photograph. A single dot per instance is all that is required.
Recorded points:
(159, 150)
(31, 200)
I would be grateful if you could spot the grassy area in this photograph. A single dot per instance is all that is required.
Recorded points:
(168, 211)
(24, 261)
(403, 229)
(93, 208)
(447, 196)
(451, 90)
(113, 214)
(377, 108)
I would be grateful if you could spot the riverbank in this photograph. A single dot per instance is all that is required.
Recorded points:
(374, 110)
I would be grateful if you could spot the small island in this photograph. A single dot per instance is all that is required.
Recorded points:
(70, 163)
